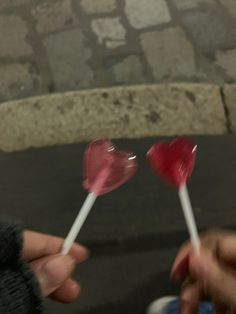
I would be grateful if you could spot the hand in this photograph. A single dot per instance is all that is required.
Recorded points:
(53, 270)
(211, 274)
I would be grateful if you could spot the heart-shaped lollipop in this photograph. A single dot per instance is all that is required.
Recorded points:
(173, 161)
(106, 168)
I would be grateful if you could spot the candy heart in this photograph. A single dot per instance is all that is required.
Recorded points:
(106, 168)
(174, 161)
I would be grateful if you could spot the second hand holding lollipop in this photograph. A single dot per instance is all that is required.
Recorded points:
(175, 162)
(105, 169)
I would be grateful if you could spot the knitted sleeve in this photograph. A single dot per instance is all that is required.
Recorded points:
(19, 289)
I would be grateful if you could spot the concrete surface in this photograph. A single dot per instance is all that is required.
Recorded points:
(121, 112)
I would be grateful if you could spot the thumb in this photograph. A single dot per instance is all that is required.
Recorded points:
(217, 280)
(52, 272)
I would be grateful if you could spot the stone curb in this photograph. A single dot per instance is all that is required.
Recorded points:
(118, 112)
(229, 93)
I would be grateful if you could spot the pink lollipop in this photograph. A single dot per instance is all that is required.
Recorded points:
(105, 169)
(174, 162)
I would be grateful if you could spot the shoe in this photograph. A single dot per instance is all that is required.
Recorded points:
(170, 305)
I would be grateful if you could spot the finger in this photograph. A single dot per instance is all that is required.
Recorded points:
(217, 241)
(37, 245)
(227, 248)
(182, 253)
(180, 268)
(67, 293)
(222, 243)
(215, 279)
(52, 272)
(190, 298)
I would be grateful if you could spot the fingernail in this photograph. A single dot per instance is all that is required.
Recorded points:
(76, 288)
(59, 262)
(175, 266)
(185, 307)
(200, 264)
(85, 251)
(54, 272)
(80, 253)
(186, 296)
(174, 272)
(179, 270)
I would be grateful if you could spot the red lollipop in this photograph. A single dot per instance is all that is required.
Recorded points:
(105, 169)
(174, 162)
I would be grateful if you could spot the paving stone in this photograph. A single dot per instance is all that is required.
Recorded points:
(230, 5)
(13, 32)
(124, 112)
(230, 100)
(68, 58)
(169, 53)
(53, 15)
(101, 6)
(129, 70)
(209, 30)
(17, 80)
(12, 3)
(190, 4)
(227, 60)
(109, 31)
(145, 13)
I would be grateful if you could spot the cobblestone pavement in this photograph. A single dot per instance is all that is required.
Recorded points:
(60, 45)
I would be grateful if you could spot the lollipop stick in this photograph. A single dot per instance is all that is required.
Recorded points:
(85, 209)
(78, 223)
(188, 214)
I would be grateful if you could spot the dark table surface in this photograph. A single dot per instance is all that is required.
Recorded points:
(134, 232)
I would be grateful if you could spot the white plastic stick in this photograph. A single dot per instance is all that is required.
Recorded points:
(78, 223)
(189, 217)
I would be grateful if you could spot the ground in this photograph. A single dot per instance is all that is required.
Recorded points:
(133, 233)
(60, 45)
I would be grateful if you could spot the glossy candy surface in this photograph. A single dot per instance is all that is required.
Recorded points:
(173, 161)
(106, 168)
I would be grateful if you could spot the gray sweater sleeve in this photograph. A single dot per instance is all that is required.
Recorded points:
(19, 289)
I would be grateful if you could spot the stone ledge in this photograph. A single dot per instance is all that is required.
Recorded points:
(119, 112)
(230, 102)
